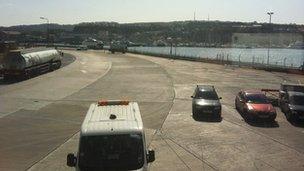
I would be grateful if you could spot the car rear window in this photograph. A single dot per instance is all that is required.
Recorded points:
(209, 95)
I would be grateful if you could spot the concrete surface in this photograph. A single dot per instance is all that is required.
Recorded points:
(35, 117)
(39, 126)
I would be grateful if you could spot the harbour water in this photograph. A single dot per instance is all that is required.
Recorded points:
(290, 58)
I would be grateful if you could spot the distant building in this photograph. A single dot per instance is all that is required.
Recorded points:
(9, 35)
(282, 40)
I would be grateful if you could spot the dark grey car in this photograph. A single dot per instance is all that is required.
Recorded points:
(292, 104)
(205, 102)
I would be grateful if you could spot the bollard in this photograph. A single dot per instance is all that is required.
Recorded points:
(239, 60)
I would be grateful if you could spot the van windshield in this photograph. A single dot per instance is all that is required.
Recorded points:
(111, 152)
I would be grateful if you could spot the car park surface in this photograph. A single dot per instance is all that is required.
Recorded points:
(163, 88)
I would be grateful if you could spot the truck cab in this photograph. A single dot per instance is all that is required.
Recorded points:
(112, 138)
(118, 46)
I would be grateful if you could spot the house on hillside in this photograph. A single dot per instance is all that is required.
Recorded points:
(9, 35)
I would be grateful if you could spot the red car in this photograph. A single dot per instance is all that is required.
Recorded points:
(254, 104)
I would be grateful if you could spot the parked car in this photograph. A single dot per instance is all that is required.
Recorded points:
(254, 104)
(292, 104)
(205, 102)
(82, 47)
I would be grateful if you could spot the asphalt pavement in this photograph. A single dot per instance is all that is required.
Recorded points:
(40, 118)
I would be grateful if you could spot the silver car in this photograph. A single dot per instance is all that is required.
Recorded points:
(205, 102)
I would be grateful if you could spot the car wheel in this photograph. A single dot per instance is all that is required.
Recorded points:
(219, 117)
(248, 116)
(194, 114)
(289, 116)
(272, 119)
(235, 104)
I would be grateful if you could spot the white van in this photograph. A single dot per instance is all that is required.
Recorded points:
(112, 138)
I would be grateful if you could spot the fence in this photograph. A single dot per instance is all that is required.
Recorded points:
(258, 58)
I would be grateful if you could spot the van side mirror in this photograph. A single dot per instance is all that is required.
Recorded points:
(192, 96)
(71, 160)
(220, 98)
(151, 156)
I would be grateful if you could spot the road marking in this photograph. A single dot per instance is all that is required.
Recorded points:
(2, 115)
(83, 71)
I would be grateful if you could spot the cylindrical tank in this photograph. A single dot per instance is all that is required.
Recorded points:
(17, 61)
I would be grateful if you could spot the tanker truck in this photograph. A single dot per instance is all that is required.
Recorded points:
(20, 66)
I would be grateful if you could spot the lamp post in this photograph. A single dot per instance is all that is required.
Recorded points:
(171, 44)
(269, 41)
(270, 14)
(47, 29)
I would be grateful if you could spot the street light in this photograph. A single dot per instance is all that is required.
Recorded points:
(171, 44)
(269, 41)
(270, 14)
(47, 28)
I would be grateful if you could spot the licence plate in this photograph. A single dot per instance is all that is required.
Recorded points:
(263, 116)
(207, 111)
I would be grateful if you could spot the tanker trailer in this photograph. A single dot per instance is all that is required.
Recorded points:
(17, 65)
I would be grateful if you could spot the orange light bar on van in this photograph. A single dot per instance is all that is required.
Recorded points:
(102, 103)
(110, 103)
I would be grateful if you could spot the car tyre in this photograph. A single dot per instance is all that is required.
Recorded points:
(235, 105)
(218, 117)
(194, 114)
(272, 119)
(289, 116)
(248, 116)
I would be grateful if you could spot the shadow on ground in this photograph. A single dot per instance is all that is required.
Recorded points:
(264, 123)
(207, 119)
(297, 123)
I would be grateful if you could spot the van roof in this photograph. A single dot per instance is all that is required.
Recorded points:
(112, 119)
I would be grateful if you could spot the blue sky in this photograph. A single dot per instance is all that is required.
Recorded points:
(16, 12)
